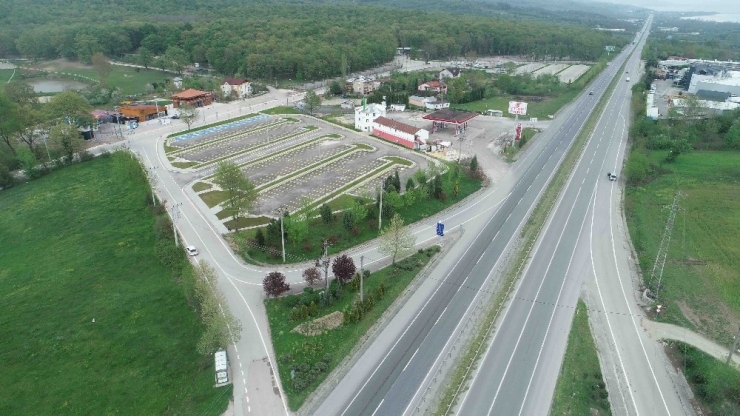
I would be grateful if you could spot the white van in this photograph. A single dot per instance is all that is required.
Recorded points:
(222, 367)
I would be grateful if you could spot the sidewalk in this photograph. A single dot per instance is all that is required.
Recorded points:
(663, 331)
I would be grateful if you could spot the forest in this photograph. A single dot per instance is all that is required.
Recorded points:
(695, 39)
(269, 40)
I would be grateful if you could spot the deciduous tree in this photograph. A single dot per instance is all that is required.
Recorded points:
(144, 56)
(102, 66)
(188, 114)
(222, 328)
(312, 276)
(326, 214)
(274, 284)
(343, 268)
(396, 239)
(240, 191)
(66, 138)
(312, 101)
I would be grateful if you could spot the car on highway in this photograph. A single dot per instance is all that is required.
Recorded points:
(590, 93)
(192, 251)
(611, 176)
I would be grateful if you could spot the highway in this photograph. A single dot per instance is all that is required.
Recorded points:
(390, 377)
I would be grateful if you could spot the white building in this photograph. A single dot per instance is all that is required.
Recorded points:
(400, 133)
(449, 73)
(242, 88)
(728, 83)
(437, 105)
(365, 114)
(177, 82)
(421, 101)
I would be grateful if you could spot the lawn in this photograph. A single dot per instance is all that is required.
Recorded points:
(294, 350)
(580, 386)
(540, 109)
(282, 110)
(5, 75)
(92, 322)
(702, 269)
(341, 239)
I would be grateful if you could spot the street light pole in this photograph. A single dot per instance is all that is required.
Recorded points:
(282, 233)
(380, 211)
(362, 272)
(175, 216)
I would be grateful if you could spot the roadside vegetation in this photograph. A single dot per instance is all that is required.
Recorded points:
(697, 156)
(101, 312)
(426, 194)
(580, 389)
(314, 331)
(715, 384)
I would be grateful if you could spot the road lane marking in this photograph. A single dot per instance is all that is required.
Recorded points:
(557, 301)
(407, 364)
(531, 308)
(418, 313)
(376, 409)
(624, 294)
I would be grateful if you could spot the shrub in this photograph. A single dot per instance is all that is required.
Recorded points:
(274, 284)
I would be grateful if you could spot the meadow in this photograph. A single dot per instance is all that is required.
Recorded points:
(92, 322)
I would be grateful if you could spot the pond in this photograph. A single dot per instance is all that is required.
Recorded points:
(55, 85)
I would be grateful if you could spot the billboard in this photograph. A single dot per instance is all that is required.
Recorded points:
(518, 108)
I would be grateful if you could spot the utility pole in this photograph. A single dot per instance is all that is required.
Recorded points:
(325, 261)
(175, 216)
(380, 211)
(362, 272)
(153, 180)
(660, 258)
(734, 347)
(282, 233)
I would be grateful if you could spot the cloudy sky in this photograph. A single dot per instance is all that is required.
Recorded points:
(717, 6)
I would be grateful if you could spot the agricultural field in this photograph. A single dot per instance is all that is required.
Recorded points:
(92, 322)
(699, 283)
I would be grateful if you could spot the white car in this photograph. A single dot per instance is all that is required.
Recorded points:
(611, 176)
(192, 251)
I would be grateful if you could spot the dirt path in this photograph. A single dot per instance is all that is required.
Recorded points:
(659, 330)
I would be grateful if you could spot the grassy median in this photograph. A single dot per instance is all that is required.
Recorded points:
(580, 389)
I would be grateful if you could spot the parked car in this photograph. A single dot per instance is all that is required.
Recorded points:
(175, 117)
(192, 251)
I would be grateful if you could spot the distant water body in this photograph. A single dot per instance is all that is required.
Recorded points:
(720, 17)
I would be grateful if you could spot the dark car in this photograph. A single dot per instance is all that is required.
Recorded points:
(590, 93)
(175, 117)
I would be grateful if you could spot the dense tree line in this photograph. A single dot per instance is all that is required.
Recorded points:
(284, 40)
(695, 39)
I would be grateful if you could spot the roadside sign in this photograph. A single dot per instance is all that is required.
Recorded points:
(517, 107)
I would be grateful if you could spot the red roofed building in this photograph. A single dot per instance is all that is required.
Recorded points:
(193, 97)
(401, 133)
(436, 86)
(236, 86)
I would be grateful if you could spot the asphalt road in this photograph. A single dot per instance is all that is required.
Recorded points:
(520, 369)
(389, 378)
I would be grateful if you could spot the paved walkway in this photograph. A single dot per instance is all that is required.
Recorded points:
(660, 330)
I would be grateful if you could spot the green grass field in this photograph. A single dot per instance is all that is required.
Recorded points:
(5, 75)
(77, 246)
(294, 349)
(700, 281)
(539, 110)
(580, 386)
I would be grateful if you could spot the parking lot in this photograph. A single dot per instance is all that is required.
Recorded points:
(289, 158)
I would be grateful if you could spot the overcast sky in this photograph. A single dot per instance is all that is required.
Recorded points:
(716, 6)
